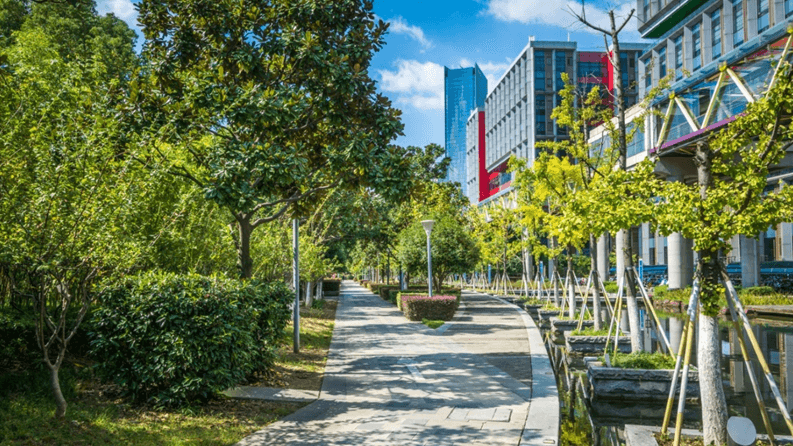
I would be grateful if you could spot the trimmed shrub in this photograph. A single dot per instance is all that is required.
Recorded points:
(172, 339)
(331, 287)
(418, 307)
(757, 291)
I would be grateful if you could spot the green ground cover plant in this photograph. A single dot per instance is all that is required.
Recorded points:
(642, 360)
(433, 324)
(589, 332)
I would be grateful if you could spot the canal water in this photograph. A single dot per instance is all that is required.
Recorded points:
(587, 420)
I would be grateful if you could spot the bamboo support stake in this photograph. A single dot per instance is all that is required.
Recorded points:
(584, 306)
(759, 352)
(649, 304)
(605, 294)
(681, 404)
(670, 401)
(615, 319)
(747, 362)
(678, 362)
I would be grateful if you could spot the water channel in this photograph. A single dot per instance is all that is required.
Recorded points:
(590, 419)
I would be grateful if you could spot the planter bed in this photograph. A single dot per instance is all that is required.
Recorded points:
(567, 325)
(639, 385)
(544, 317)
(595, 344)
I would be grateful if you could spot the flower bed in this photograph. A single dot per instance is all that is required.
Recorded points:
(418, 307)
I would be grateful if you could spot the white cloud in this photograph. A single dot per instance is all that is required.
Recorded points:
(558, 13)
(398, 25)
(415, 83)
(123, 9)
(492, 71)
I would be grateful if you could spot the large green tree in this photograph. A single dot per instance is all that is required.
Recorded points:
(268, 104)
(64, 176)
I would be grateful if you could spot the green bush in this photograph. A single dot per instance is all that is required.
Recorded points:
(757, 291)
(611, 286)
(171, 340)
(418, 307)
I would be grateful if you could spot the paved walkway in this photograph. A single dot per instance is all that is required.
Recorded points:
(393, 382)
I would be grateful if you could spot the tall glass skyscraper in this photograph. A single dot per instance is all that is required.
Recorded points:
(464, 90)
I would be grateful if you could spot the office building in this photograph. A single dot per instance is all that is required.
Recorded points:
(464, 90)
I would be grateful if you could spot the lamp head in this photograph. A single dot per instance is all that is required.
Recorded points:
(428, 225)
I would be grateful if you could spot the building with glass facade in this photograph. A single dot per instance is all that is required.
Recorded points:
(464, 90)
(517, 113)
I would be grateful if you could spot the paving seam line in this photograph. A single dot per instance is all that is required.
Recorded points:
(544, 405)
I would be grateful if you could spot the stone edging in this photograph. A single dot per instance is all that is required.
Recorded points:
(544, 405)
(637, 435)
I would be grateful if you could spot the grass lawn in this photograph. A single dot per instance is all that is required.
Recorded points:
(306, 369)
(96, 415)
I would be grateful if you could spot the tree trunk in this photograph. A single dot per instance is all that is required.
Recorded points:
(711, 388)
(60, 402)
(309, 296)
(320, 295)
(593, 265)
(244, 261)
(570, 282)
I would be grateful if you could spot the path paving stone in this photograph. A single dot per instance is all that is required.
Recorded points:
(392, 382)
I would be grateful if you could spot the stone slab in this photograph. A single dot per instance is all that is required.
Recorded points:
(272, 394)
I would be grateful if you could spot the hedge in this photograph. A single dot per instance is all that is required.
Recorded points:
(438, 307)
(172, 339)
(331, 287)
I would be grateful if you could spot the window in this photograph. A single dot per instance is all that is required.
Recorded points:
(662, 61)
(762, 15)
(646, 9)
(539, 70)
(539, 114)
(788, 8)
(715, 27)
(560, 68)
(678, 56)
(624, 69)
(737, 22)
(648, 74)
(696, 46)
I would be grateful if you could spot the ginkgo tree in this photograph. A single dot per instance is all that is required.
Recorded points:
(729, 198)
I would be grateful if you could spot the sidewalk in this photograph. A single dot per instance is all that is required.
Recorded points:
(393, 382)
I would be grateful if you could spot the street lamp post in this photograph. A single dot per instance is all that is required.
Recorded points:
(428, 229)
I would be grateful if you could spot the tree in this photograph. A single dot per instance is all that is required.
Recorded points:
(64, 177)
(728, 199)
(268, 104)
(453, 249)
(621, 145)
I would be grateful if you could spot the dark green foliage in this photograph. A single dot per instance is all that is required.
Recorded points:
(419, 307)
(173, 339)
(331, 287)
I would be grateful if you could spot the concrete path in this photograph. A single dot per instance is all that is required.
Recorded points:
(389, 381)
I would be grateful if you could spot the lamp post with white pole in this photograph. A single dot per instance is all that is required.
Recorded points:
(428, 229)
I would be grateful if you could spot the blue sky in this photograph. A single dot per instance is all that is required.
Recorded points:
(425, 36)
